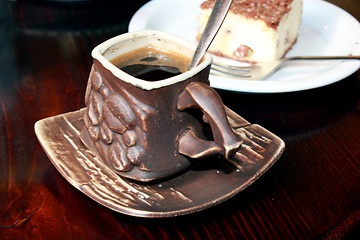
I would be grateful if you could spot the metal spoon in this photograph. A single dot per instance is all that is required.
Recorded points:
(213, 25)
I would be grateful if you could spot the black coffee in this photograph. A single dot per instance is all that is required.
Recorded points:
(151, 64)
(151, 72)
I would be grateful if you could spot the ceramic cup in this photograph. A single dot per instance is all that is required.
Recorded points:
(147, 130)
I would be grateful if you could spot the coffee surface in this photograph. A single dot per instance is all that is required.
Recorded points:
(151, 72)
(151, 64)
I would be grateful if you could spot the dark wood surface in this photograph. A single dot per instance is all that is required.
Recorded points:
(312, 192)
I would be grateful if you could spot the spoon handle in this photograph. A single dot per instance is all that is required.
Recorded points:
(213, 25)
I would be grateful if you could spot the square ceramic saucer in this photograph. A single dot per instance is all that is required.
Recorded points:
(202, 186)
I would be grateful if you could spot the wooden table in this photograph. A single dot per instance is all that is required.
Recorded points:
(313, 191)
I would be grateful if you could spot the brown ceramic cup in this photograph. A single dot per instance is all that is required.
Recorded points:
(147, 130)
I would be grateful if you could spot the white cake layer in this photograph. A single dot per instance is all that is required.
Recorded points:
(265, 42)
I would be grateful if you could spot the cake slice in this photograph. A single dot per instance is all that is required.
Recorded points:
(255, 30)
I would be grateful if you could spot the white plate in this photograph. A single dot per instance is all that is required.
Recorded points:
(325, 30)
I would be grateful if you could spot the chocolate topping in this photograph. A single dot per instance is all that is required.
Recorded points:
(269, 11)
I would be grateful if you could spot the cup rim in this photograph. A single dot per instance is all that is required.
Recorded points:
(98, 51)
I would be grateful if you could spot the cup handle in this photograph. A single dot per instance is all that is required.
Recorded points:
(202, 96)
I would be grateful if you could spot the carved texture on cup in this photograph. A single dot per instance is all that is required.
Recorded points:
(114, 124)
